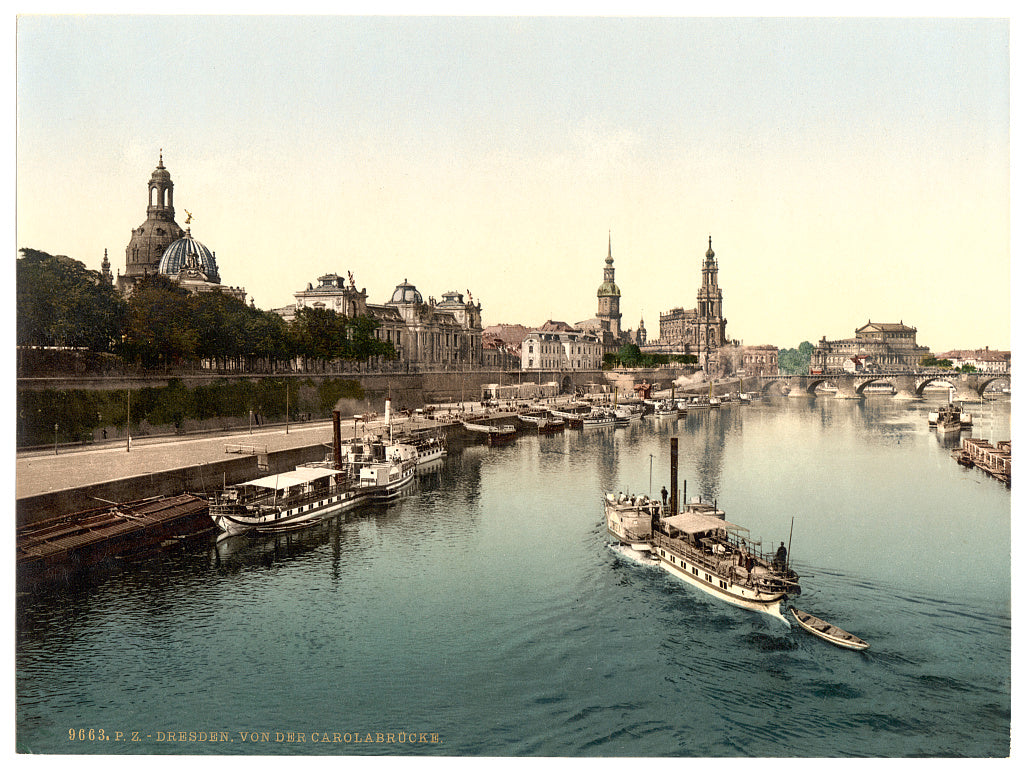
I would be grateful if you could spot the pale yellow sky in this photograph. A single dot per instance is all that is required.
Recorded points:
(846, 169)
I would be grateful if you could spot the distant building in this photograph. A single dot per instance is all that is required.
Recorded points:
(445, 335)
(761, 360)
(700, 330)
(856, 364)
(159, 246)
(890, 346)
(502, 346)
(105, 275)
(989, 361)
(606, 326)
(556, 346)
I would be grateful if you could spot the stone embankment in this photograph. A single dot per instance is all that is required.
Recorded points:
(49, 484)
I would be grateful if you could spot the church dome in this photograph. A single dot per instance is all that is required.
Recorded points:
(608, 288)
(406, 294)
(189, 254)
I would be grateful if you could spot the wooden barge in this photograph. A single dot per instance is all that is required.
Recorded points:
(994, 460)
(65, 545)
(497, 435)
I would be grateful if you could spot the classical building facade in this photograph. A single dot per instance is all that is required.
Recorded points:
(556, 346)
(761, 360)
(890, 347)
(445, 334)
(700, 330)
(160, 246)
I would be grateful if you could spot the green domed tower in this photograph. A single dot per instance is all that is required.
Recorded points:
(608, 297)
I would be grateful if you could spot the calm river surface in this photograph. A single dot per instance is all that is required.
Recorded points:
(485, 614)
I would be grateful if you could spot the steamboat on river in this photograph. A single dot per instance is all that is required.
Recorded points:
(698, 546)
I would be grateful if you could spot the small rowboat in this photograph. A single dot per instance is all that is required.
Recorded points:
(827, 631)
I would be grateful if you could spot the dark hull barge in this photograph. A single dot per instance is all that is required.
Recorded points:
(65, 545)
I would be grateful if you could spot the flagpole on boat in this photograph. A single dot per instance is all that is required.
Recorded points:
(789, 553)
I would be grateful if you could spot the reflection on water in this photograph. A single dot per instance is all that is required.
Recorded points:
(486, 605)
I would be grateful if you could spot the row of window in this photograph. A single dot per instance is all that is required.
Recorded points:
(694, 570)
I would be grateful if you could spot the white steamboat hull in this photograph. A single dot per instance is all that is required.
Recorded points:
(286, 519)
(710, 583)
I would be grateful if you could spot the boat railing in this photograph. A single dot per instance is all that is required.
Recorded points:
(264, 498)
(723, 557)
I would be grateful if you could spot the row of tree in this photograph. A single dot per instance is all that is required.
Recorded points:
(76, 415)
(630, 356)
(61, 303)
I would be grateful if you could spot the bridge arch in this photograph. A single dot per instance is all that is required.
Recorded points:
(768, 382)
(867, 381)
(813, 384)
(932, 379)
(984, 382)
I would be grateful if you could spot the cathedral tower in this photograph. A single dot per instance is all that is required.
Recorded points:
(608, 295)
(710, 322)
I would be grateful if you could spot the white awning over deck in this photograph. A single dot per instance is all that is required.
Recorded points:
(291, 478)
(696, 522)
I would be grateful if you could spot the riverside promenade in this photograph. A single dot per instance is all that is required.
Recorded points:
(41, 472)
(72, 479)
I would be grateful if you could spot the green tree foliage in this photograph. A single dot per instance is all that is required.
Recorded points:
(161, 330)
(324, 335)
(630, 356)
(796, 361)
(78, 414)
(932, 362)
(61, 303)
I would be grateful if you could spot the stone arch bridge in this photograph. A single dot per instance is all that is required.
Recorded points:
(907, 385)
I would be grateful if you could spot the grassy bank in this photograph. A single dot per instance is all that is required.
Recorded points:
(75, 415)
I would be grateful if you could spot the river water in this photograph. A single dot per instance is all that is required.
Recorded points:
(485, 614)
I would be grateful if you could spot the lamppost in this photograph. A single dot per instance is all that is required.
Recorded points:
(55, 438)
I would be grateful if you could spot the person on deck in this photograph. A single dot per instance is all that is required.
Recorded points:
(780, 556)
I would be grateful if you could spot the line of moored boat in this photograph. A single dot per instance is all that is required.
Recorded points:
(354, 473)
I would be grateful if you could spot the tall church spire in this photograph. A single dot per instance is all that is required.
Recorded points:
(105, 269)
(608, 296)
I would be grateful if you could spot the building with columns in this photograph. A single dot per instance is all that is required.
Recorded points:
(443, 335)
(890, 346)
(762, 360)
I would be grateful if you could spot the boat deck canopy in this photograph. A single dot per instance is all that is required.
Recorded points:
(695, 522)
(291, 478)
